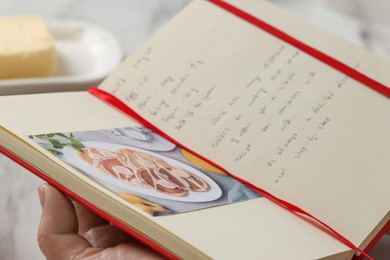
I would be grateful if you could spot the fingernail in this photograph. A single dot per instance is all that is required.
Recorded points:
(41, 193)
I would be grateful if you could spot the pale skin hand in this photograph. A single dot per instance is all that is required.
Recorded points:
(70, 231)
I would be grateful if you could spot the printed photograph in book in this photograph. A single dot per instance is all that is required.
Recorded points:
(145, 169)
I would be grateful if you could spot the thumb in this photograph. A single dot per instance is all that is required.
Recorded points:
(57, 233)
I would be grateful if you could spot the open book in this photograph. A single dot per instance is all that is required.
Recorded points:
(233, 131)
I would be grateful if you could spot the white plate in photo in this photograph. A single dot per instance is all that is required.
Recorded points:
(72, 157)
(86, 54)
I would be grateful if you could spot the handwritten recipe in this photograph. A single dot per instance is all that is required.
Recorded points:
(271, 115)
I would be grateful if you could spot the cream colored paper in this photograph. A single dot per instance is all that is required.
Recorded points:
(268, 112)
(256, 228)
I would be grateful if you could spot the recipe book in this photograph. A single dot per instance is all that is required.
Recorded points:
(236, 131)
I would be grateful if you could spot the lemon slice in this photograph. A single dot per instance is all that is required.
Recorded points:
(200, 162)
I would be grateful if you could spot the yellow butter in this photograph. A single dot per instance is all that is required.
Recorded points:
(27, 48)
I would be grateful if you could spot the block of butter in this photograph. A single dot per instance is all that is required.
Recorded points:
(27, 48)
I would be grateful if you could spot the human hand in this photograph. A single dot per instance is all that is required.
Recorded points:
(70, 231)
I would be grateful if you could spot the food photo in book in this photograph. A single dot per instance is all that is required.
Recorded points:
(145, 169)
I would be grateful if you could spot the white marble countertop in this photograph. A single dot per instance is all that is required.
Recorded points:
(364, 22)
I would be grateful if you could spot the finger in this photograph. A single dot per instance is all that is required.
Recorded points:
(131, 251)
(57, 233)
(99, 232)
(87, 219)
(107, 236)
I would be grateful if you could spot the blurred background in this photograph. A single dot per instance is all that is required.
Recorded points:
(363, 22)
